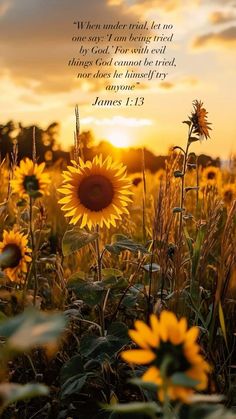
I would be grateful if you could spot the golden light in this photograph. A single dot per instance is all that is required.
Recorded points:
(119, 139)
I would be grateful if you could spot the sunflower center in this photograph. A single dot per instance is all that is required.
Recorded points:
(31, 184)
(13, 256)
(228, 196)
(175, 353)
(96, 192)
(211, 175)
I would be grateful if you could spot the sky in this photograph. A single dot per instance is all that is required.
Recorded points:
(38, 87)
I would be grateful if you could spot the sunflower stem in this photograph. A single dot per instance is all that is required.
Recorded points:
(167, 414)
(99, 276)
(34, 268)
(182, 194)
(99, 261)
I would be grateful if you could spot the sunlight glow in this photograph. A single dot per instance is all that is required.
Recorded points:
(119, 139)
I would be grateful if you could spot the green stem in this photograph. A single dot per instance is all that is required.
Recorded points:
(99, 260)
(99, 275)
(34, 267)
(167, 414)
(182, 194)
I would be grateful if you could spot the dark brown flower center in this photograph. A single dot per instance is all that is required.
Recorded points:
(96, 192)
(177, 360)
(13, 256)
(211, 175)
(228, 195)
(31, 184)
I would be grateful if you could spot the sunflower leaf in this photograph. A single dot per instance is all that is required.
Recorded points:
(121, 243)
(177, 210)
(11, 392)
(32, 328)
(149, 408)
(222, 323)
(181, 379)
(178, 173)
(91, 293)
(147, 385)
(152, 267)
(75, 239)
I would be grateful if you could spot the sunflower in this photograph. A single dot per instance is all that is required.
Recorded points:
(229, 193)
(14, 254)
(97, 192)
(199, 120)
(211, 176)
(167, 342)
(29, 179)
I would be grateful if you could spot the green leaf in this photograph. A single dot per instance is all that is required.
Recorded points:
(197, 249)
(181, 379)
(32, 328)
(152, 267)
(3, 317)
(178, 173)
(114, 283)
(146, 385)
(11, 393)
(108, 272)
(77, 277)
(189, 241)
(90, 292)
(75, 239)
(100, 348)
(150, 408)
(187, 122)
(121, 243)
(75, 384)
(177, 210)
(71, 368)
(222, 323)
(120, 330)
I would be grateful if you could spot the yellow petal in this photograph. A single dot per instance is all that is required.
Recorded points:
(138, 356)
(146, 333)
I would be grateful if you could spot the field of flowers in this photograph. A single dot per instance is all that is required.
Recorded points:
(118, 291)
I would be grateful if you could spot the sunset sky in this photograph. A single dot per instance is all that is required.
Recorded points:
(37, 86)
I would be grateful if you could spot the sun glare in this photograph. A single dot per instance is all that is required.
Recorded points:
(119, 139)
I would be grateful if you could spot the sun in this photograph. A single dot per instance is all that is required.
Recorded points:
(119, 139)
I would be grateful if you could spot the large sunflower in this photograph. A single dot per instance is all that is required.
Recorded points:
(29, 179)
(198, 118)
(97, 192)
(167, 342)
(14, 254)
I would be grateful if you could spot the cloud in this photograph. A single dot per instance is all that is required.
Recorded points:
(219, 17)
(225, 38)
(182, 84)
(120, 121)
(138, 5)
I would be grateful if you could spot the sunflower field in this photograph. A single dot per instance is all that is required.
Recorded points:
(118, 290)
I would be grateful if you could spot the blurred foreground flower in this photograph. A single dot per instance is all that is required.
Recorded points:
(29, 179)
(171, 351)
(199, 120)
(14, 255)
(97, 192)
